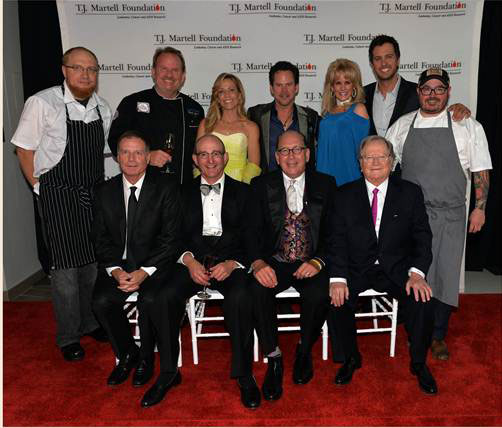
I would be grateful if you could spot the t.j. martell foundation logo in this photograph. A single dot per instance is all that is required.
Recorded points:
(282, 9)
(306, 69)
(424, 9)
(108, 8)
(199, 41)
(452, 67)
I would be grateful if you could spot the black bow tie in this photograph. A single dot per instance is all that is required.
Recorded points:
(206, 188)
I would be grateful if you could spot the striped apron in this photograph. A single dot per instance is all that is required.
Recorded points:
(66, 193)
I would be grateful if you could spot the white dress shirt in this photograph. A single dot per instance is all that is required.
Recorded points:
(381, 195)
(211, 215)
(42, 126)
(383, 107)
(299, 186)
(211, 209)
(470, 138)
(127, 192)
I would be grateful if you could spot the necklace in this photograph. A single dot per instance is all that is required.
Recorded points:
(343, 103)
(288, 120)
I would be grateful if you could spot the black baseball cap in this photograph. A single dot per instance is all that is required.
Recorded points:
(434, 73)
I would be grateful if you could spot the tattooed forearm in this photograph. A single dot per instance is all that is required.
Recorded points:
(481, 186)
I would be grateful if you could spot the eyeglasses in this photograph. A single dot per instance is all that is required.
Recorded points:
(378, 159)
(79, 69)
(214, 155)
(427, 90)
(295, 150)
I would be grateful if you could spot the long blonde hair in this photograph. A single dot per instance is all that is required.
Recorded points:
(352, 72)
(214, 112)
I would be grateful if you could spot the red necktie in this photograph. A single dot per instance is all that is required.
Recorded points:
(374, 205)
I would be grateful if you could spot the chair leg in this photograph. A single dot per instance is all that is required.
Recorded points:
(325, 341)
(255, 346)
(394, 328)
(180, 358)
(374, 310)
(193, 329)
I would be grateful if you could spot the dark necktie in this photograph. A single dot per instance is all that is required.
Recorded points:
(374, 205)
(132, 206)
(206, 188)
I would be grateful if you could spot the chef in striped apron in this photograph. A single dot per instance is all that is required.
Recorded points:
(440, 155)
(60, 141)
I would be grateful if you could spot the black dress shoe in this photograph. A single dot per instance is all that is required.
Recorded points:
(73, 352)
(345, 372)
(98, 334)
(159, 389)
(122, 370)
(303, 369)
(250, 394)
(425, 379)
(143, 373)
(272, 385)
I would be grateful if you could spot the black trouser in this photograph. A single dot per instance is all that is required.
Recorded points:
(237, 310)
(441, 320)
(314, 293)
(108, 305)
(419, 316)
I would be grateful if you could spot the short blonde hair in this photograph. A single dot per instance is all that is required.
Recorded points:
(214, 112)
(352, 72)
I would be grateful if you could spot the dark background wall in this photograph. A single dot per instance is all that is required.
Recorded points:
(41, 54)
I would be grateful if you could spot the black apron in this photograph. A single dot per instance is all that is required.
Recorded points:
(430, 159)
(66, 193)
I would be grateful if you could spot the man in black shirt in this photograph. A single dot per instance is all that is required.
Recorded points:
(162, 114)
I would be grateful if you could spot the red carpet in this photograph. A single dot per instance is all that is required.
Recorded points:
(40, 389)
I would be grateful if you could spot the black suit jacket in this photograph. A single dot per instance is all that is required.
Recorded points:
(230, 245)
(308, 124)
(406, 102)
(154, 240)
(268, 207)
(405, 238)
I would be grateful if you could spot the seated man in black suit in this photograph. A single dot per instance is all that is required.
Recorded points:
(136, 220)
(287, 221)
(213, 209)
(381, 239)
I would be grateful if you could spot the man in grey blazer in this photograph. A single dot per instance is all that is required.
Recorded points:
(283, 115)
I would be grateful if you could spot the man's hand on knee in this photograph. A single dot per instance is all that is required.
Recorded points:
(264, 274)
(339, 293)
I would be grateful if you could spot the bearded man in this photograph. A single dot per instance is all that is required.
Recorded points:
(440, 155)
(59, 142)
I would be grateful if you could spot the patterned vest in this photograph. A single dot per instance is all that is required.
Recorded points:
(296, 242)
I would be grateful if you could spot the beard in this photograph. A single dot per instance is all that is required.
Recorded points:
(80, 93)
(436, 107)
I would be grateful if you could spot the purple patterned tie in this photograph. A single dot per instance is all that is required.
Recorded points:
(374, 205)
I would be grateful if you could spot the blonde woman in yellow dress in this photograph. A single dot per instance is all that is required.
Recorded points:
(226, 118)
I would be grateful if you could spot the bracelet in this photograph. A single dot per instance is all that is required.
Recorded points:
(315, 263)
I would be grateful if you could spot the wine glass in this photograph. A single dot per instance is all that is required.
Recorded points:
(208, 262)
(168, 147)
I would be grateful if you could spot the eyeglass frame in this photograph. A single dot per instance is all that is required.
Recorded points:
(205, 155)
(380, 159)
(79, 69)
(433, 90)
(284, 152)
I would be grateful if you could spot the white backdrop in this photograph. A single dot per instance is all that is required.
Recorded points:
(248, 37)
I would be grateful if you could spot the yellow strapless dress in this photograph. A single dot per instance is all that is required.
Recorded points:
(238, 167)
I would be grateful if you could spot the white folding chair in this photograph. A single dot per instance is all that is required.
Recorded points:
(197, 317)
(131, 308)
(381, 306)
